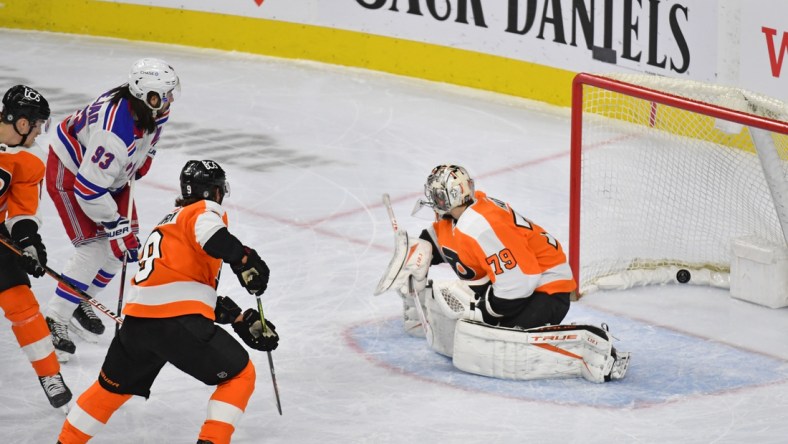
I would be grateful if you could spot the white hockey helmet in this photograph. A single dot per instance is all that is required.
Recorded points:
(151, 75)
(448, 187)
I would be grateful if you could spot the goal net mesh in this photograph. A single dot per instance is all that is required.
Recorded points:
(664, 189)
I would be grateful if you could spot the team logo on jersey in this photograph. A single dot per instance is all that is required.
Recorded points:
(5, 181)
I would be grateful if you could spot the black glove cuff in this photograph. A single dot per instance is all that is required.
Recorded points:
(25, 231)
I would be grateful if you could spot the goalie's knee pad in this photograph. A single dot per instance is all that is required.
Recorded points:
(561, 351)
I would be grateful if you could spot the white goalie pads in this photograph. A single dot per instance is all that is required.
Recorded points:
(447, 302)
(561, 351)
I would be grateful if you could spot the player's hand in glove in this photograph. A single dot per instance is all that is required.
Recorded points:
(252, 274)
(226, 311)
(143, 170)
(250, 330)
(122, 239)
(34, 253)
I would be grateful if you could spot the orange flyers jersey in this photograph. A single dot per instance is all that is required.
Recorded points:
(21, 176)
(176, 276)
(492, 240)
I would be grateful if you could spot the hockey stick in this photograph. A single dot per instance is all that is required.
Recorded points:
(411, 290)
(422, 316)
(270, 358)
(56, 276)
(400, 252)
(125, 256)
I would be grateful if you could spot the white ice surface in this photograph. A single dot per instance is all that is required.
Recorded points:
(309, 149)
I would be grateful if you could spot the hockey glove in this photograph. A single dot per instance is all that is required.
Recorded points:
(226, 311)
(122, 239)
(34, 253)
(250, 330)
(253, 275)
(143, 170)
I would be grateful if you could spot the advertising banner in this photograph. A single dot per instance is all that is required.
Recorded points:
(676, 38)
(763, 58)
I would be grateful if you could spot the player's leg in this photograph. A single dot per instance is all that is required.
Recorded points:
(80, 270)
(21, 309)
(199, 347)
(128, 369)
(85, 322)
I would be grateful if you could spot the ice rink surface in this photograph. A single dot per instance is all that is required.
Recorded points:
(309, 149)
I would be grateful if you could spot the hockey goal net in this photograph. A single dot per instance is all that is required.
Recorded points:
(665, 173)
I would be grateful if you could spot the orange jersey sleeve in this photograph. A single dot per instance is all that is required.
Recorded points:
(176, 276)
(492, 240)
(21, 177)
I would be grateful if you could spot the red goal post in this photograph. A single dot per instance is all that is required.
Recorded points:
(666, 174)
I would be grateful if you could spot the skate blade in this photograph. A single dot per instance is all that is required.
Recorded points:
(65, 408)
(82, 333)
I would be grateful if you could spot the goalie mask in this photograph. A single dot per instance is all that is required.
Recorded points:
(154, 82)
(448, 187)
(199, 179)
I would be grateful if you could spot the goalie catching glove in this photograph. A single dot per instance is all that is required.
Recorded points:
(253, 274)
(248, 326)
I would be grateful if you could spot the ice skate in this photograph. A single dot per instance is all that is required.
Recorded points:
(56, 390)
(86, 324)
(63, 344)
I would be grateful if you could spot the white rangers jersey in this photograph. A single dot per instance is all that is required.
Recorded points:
(103, 147)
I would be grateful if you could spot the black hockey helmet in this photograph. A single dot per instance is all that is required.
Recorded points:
(200, 177)
(23, 101)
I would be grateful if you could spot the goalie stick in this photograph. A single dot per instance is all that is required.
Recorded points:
(56, 276)
(400, 251)
(400, 255)
(270, 358)
(420, 310)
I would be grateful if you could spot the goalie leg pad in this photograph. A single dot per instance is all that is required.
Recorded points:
(562, 351)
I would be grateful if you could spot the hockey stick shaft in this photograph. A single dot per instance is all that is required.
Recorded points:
(130, 213)
(56, 276)
(270, 358)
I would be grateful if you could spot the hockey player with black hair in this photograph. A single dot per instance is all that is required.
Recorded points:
(24, 116)
(172, 311)
(513, 291)
(95, 156)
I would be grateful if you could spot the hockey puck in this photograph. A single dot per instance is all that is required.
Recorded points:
(683, 276)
